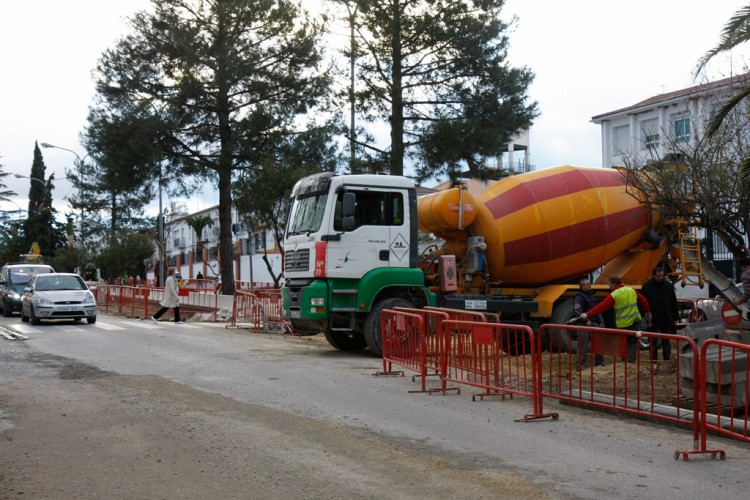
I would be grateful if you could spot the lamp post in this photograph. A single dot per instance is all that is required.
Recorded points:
(80, 166)
(19, 176)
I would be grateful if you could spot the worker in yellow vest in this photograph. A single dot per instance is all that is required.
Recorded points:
(625, 302)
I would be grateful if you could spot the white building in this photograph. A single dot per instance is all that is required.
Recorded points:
(646, 129)
(184, 251)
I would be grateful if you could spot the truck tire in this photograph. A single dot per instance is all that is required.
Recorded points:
(373, 335)
(345, 341)
(563, 341)
(306, 328)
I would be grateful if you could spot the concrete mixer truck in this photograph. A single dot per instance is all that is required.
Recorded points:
(352, 247)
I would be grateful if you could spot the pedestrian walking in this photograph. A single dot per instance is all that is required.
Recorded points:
(582, 302)
(171, 298)
(662, 300)
(625, 301)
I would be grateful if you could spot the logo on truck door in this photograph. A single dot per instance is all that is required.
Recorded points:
(399, 247)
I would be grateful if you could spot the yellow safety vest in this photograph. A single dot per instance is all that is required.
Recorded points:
(626, 307)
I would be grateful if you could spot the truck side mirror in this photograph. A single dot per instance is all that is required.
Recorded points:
(347, 211)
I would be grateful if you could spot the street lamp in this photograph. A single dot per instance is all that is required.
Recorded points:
(20, 210)
(19, 176)
(80, 165)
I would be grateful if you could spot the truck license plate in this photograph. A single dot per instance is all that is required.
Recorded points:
(476, 305)
(295, 313)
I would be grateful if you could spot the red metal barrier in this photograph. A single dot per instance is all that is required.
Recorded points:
(260, 311)
(245, 311)
(725, 375)
(462, 315)
(629, 387)
(252, 286)
(424, 355)
(402, 334)
(478, 354)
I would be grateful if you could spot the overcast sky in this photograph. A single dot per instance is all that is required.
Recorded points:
(589, 57)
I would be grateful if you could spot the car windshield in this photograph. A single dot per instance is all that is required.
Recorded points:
(49, 283)
(22, 275)
(20, 278)
(307, 214)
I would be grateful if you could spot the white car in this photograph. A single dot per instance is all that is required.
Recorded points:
(57, 296)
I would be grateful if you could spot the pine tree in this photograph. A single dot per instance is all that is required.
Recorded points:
(436, 71)
(40, 225)
(223, 79)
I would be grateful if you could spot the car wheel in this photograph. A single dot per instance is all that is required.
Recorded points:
(33, 318)
(24, 318)
(91, 320)
(6, 311)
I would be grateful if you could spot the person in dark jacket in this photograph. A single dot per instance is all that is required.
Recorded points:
(582, 302)
(662, 300)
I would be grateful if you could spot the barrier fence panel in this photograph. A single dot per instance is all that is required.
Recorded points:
(428, 361)
(246, 311)
(724, 394)
(477, 354)
(402, 335)
(251, 286)
(662, 390)
(462, 314)
(261, 311)
(142, 302)
(272, 311)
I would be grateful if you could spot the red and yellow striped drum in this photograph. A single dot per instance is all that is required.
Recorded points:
(559, 223)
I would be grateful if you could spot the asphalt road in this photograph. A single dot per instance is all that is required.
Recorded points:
(127, 409)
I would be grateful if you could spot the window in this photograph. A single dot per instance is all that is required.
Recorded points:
(621, 140)
(649, 133)
(373, 208)
(682, 129)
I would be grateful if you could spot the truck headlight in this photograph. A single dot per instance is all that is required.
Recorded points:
(317, 301)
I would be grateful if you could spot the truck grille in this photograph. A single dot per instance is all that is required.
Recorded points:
(296, 261)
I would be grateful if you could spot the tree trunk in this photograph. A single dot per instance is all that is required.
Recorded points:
(397, 102)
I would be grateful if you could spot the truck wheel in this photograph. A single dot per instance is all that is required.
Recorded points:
(345, 341)
(563, 341)
(305, 328)
(373, 334)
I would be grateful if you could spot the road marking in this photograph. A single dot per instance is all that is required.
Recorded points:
(145, 324)
(24, 328)
(107, 326)
(68, 328)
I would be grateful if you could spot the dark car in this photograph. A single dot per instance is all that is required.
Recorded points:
(58, 296)
(13, 279)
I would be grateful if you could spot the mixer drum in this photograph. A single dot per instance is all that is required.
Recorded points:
(558, 223)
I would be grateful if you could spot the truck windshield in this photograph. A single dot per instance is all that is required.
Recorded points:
(307, 214)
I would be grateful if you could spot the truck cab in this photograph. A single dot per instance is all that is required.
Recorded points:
(350, 251)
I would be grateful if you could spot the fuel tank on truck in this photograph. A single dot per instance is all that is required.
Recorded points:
(559, 223)
(447, 213)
